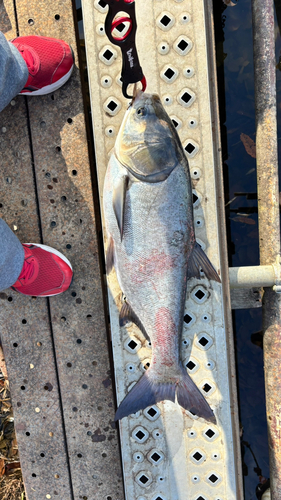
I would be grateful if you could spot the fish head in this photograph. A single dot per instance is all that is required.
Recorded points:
(147, 143)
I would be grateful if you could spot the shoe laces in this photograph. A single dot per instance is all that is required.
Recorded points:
(28, 57)
(27, 270)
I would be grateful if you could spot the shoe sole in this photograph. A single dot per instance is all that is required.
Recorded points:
(48, 89)
(59, 254)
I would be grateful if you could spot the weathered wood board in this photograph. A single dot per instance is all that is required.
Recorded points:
(56, 350)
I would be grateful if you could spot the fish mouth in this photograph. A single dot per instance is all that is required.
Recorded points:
(145, 97)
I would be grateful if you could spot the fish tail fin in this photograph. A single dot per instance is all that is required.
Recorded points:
(146, 392)
(199, 260)
(191, 399)
(149, 390)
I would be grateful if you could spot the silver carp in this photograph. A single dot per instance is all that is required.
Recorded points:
(151, 244)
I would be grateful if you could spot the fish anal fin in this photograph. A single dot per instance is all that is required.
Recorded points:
(127, 314)
(199, 260)
(109, 259)
(119, 198)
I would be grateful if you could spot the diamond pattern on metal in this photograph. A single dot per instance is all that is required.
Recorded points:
(175, 62)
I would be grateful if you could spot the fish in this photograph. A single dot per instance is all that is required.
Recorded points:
(148, 211)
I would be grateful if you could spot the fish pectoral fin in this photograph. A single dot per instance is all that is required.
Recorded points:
(199, 260)
(127, 314)
(109, 259)
(119, 197)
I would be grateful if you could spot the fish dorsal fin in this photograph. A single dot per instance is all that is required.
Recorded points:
(119, 198)
(109, 259)
(127, 314)
(199, 260)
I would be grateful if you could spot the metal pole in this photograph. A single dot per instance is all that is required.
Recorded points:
(253, 276)
(269, 224)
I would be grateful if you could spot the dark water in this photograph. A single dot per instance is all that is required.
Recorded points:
(234, 46)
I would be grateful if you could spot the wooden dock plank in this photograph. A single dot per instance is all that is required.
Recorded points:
(25, 326)
(77, 327)
(68, 223)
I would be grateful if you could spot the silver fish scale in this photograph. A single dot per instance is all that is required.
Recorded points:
(198, 460)
(153, 255)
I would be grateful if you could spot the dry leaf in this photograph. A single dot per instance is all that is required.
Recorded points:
(10, 467)
(229, 3)
(244, 220)
(2, 467)
(249, 145)
(3, 364)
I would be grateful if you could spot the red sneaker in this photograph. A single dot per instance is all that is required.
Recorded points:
(45, 272)
(49, 61)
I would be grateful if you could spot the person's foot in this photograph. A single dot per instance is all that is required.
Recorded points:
(49, 61)
(45, 272)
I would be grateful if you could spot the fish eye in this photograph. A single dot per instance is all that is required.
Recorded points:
(141, 111)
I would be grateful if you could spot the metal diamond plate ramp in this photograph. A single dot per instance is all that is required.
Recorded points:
(168, 454)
